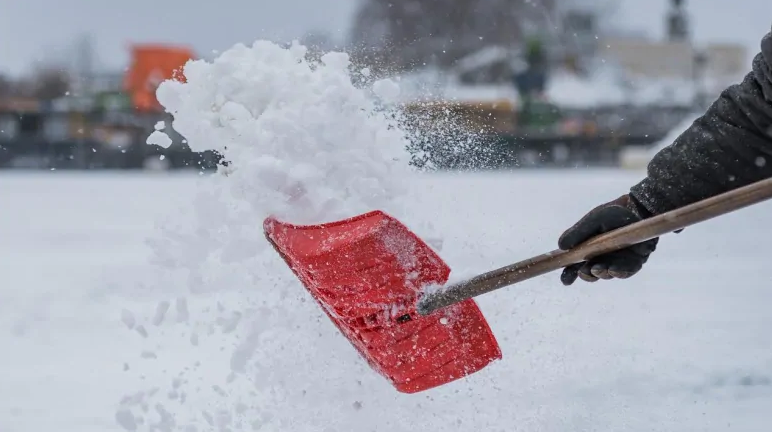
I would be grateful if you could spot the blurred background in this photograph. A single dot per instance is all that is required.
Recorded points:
(537, 83)
(154, 296)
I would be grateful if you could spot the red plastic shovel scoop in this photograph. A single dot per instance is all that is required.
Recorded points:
(366, 272)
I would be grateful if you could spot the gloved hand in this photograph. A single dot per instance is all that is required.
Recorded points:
(621, 264)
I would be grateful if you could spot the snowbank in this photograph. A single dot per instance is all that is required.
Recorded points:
(572, 91)
(606, 88)
(605, 85)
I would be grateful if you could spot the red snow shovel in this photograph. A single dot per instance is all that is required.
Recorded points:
(369, 273)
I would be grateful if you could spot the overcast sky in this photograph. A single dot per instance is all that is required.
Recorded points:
(34, 29)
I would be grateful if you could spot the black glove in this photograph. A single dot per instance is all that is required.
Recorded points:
(621, 264)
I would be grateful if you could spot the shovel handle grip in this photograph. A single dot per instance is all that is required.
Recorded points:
(621, 238)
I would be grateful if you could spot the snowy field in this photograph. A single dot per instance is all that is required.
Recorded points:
(97, 338)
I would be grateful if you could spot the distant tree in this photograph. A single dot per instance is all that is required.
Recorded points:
(416, 32)
(403, 34)
(6, 86)
(50, 82)
(579, 27)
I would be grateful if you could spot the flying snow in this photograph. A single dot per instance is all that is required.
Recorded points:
(301, 142)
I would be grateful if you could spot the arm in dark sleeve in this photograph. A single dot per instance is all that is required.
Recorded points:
(728, 147)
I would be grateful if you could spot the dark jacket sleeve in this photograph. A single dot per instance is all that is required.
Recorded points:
(727, 147)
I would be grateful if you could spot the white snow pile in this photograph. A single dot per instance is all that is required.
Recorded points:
(304, 139)
(305, 144)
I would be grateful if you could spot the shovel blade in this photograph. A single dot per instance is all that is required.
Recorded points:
(366, 273)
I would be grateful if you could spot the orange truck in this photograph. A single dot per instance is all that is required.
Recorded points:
(151, 64)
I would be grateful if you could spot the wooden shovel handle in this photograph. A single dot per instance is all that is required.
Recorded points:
(613, 240)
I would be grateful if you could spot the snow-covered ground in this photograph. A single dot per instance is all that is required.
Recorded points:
(685, 345)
